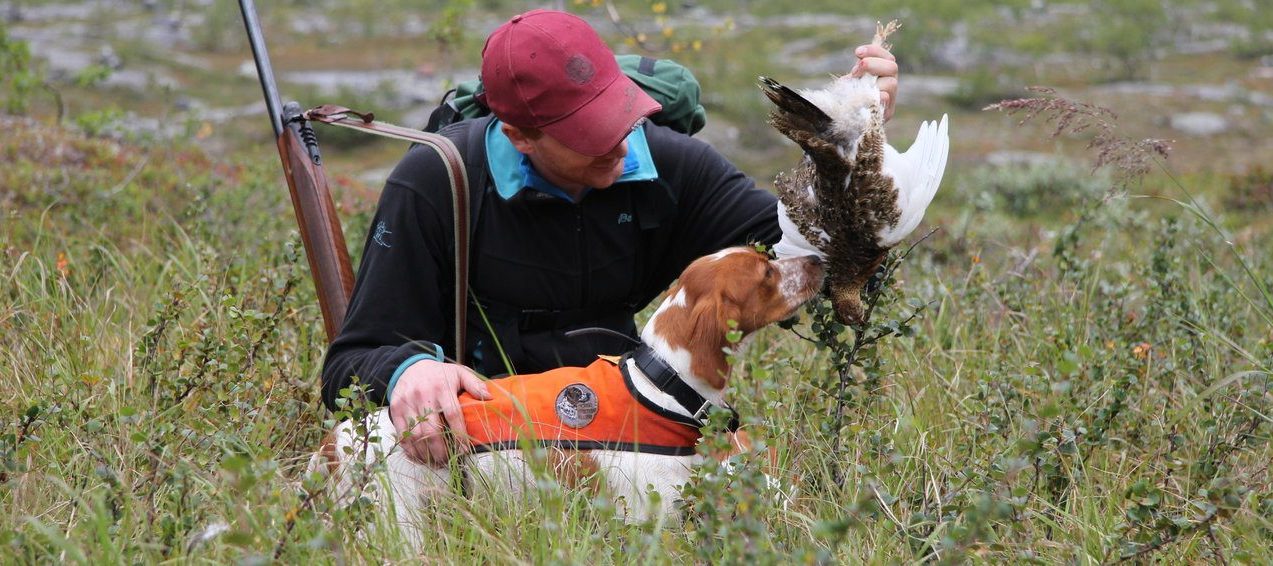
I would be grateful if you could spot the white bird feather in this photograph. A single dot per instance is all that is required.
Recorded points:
(916, 175)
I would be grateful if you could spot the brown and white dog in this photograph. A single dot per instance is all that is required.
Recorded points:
(670, 381)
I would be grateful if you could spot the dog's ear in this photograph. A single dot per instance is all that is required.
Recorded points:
(710, 316)
(709, 321)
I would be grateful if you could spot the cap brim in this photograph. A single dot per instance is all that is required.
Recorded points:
(598, 126)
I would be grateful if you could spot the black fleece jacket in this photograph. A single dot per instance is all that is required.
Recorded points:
(539, 265)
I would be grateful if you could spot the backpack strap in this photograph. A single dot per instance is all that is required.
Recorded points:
(456, 173)
(460, 192)
(470, 135)
(474, 142)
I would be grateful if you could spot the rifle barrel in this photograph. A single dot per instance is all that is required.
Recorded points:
(263, 68)
(311, 198)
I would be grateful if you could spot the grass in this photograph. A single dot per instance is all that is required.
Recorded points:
(1088, 383)
(1104, 393)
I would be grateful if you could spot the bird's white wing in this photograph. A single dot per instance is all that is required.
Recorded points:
(916, 174)
(793, 243)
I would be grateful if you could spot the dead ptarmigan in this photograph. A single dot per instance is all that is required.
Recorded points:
(852, 197)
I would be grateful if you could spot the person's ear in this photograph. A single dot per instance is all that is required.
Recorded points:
(520, 140)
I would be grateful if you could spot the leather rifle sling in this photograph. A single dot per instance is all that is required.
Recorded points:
(456, 173)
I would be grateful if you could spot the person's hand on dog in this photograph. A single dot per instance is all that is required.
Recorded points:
(426, 403)
(878, 61)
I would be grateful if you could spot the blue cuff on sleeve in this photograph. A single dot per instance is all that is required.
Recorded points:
(435, 356)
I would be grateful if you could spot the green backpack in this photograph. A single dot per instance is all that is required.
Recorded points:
(665, 80)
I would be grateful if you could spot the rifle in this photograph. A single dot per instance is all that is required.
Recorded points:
(321, 233)
(312, 200)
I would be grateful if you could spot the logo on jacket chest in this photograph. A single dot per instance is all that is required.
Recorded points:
(576, 405)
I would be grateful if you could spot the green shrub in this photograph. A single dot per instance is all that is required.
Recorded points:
(19, 76)
(100, 122)
(982, 85)
(1251, 191)
(1032, 189)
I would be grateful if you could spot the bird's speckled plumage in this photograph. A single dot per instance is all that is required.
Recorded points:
(852, 197)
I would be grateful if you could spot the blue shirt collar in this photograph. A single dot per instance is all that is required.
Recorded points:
(512, 172)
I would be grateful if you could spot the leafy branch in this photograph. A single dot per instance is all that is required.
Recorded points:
(846, 354)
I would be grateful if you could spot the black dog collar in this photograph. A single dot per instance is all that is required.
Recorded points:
(668, 381)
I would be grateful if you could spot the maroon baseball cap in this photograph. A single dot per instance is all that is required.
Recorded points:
(550, 70)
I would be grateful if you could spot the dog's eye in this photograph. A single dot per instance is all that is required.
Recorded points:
(770, 272)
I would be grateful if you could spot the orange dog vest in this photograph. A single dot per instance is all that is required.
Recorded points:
(587, 408)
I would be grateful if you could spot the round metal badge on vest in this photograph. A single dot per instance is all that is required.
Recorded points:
(576, 405)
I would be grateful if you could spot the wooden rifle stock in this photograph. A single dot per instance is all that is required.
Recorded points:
(316, 215)
(311, 200)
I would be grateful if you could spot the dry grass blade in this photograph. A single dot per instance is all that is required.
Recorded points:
(1129, 158)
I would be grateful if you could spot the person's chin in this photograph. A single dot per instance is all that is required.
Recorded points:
(604, 181)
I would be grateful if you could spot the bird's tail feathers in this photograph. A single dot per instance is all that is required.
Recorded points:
(792, 103)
